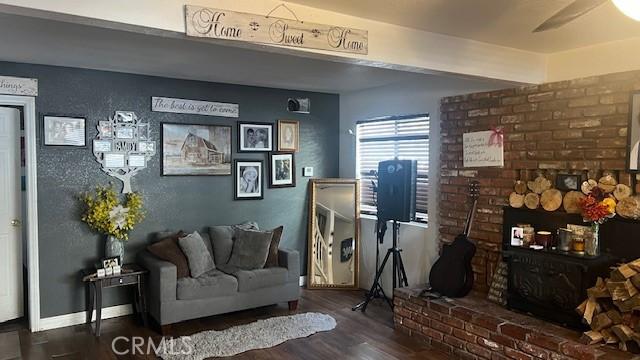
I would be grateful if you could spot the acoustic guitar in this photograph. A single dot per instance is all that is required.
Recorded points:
(452, 274)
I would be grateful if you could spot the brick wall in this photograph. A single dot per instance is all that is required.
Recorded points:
(457, 327)
(576, 127)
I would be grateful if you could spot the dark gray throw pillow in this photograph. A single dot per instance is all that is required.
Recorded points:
(222, 237)
(250, 249)
(199, 258)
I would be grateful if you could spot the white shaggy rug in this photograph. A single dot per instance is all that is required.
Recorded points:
(260, 334)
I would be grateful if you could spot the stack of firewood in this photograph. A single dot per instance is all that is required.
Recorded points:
(612, 309)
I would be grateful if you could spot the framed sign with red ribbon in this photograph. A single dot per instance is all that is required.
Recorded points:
(483, 148)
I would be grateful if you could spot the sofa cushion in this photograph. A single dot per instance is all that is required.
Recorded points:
(272, 258)
(167, 248)
(213, 283)
(250, 249)
(249, 280)
(199, 258)
(222, 238)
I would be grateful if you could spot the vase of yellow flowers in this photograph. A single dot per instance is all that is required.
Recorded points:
(106, 214)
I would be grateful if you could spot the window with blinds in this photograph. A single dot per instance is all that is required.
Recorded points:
(405, 138)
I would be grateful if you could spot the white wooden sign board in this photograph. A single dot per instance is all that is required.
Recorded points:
(184, 106)
(238, 26)
(10, 85)
(482, 149)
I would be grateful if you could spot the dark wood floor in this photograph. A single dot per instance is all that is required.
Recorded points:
(357, 336)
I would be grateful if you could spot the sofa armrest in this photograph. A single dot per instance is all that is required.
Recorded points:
(290, 259)
(162, 279)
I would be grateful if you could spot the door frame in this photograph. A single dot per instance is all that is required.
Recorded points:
(28, 104)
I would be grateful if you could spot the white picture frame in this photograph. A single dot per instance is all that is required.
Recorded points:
(114, 160)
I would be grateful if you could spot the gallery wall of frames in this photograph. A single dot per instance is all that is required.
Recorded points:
(200, 153)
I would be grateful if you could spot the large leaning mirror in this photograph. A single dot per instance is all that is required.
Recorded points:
(334, 233)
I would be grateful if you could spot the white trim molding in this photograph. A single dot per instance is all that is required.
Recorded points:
(78, 318)
(33, 266)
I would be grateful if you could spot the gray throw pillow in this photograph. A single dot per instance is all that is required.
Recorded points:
(199, 258)
(250, 249)
(222, 238)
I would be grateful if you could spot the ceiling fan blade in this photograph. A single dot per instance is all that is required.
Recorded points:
(569, 13)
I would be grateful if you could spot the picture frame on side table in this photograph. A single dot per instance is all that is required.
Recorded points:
(64, 130)
(255, 137)
(282, 168)
(633, 134)
(249, 179)
(195, 149)
(288, 135)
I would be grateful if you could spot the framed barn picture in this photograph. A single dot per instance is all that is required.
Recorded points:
(193, 149)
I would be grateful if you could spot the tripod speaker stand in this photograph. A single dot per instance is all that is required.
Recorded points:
(398, 273)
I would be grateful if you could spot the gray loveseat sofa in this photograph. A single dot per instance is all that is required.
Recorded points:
(225, 289)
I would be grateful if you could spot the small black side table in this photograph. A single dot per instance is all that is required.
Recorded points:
(131, 274)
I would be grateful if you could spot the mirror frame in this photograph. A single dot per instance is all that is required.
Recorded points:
(312, 215)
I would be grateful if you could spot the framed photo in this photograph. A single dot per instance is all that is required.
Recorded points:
(249, 181)
(633, 134)
(105, 129)
(283, 170)
(288, 135)
(193, 149)
(64, 131)
(110, 262)
(566, 182)
(517, 236)
(255, 137)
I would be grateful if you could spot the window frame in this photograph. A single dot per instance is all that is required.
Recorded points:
(365, 209)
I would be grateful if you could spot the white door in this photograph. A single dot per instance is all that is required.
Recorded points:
(11, 306)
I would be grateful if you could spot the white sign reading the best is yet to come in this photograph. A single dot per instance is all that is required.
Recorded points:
(483, 149)
(184, 106)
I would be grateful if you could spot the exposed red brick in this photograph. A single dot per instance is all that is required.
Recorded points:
(545, 340)
(479, 351)
(487, 322)
(432, 334)
(514, 331)
(516, 354)
(454, 341)
(536, 351)
(464, 335)
(580, 351)
(441, 327)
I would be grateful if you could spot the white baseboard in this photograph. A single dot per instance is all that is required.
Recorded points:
(303, 280)
(77, 318)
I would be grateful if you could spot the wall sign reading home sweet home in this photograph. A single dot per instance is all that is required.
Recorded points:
(483, 148)
(183, 106)
(238, 26)
(10, 85)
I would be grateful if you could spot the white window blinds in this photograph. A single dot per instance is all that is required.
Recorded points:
(405, 138)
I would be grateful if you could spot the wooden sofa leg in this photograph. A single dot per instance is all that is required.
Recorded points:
(293, 305)
(165, 330)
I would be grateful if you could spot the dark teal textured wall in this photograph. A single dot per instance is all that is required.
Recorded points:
(175, 202)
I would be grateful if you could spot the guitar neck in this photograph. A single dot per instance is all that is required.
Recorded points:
(470, 216)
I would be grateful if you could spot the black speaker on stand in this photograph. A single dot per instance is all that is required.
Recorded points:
(396, 202)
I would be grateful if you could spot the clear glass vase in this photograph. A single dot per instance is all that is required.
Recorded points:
(592, 240)
(114, 247)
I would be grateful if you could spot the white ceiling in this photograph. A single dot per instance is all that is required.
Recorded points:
(502, 22)
(32, 40)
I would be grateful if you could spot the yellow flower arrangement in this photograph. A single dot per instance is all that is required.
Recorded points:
(105, 214)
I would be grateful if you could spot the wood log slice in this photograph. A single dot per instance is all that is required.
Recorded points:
(520, 187)
(532, 201)
(516, 200)
(539, 185)
(551, 199)
(622, 191)
(571, 202)
(588, 185)
(629, 208)
(607, 183)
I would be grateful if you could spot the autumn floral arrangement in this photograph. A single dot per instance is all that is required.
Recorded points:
(106, 214)
(598, 206)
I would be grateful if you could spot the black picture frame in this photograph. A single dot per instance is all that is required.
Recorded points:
(163, 166)
(568, 182)
(236, 178)
(632, 160)
(240, 137)
(50, 117)
(110, 262)
(272, 170)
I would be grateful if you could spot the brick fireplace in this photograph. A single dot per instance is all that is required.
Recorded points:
(574, 126)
